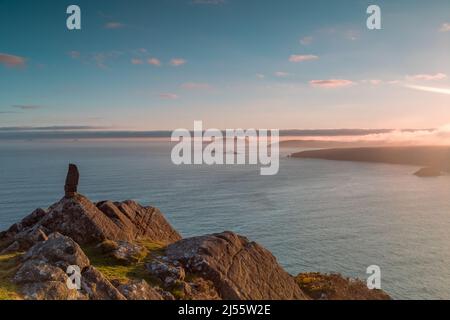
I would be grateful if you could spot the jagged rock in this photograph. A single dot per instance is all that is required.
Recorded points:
(79, 219)
(128, 253)
(238, 268)
(166, 295)
(39, 271)
(49, 290)
(97, 287)
(139, 290)
(59, 251)
(168, 273)
(25, 233)
(141, 222)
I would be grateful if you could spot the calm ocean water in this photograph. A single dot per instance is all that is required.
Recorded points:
(314, 215)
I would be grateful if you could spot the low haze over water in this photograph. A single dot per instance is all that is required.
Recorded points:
(315, 215)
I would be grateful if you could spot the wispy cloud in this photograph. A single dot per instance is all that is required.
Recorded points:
(196, 86)
(428, 89)
(26, 107)
(154, 62)
(12, 61)
(427, 77)
(331, 83)
(177, 62)
(300, 58)
(74, 54)
(374, 82)
(281, 74)
(445, 27)
(168, 96)
(136, 61)
(114, 25)
(260, 76)
(306, 41)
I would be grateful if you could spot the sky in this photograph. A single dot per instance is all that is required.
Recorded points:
(285, 64)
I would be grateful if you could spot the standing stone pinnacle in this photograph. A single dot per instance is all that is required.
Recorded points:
(71, 181)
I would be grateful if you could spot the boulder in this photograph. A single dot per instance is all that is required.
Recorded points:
(128, 253)
(39, 271)
(139, 290)
(50, 290)
(22, 235)
(97, 287)
(165, 271)
(59, 251)
(238, 268)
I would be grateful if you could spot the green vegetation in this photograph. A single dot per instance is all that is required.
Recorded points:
(336, 287)
(115, 270)
(8, 267)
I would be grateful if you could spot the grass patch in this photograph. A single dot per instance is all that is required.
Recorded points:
(8, 267)
(114, 270)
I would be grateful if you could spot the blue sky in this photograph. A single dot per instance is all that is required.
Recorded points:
(155, 65)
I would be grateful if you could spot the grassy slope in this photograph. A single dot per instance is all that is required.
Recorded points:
(8, 267)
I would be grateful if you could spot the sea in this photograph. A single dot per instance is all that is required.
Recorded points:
(314, 215)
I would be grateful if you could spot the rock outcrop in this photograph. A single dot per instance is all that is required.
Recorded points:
(122, 250)
(83, 221)
(239, 269)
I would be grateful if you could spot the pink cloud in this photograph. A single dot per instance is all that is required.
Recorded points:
(177, 62)
(445, 27)
(195, 86)
(331, 83)
(169, 96)
(74, 54)
(137, 61)
(114, 25)
(427, 77)
(154, 62)
(300, 58)
(11, 61)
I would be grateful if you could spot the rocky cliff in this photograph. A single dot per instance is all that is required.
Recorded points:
(122, 250)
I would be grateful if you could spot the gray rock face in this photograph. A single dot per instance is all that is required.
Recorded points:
(139, 290)
(97, 287)
(165, 271)
(50, 290)
(128, 253)
(42, 275)
(59, 251)
(39, 271)
(239, 269)
(23, 235)
(84, 222)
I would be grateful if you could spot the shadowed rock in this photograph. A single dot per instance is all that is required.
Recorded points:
(71, 186)
(239, 269)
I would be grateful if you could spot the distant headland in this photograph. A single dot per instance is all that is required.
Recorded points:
(435, 160)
